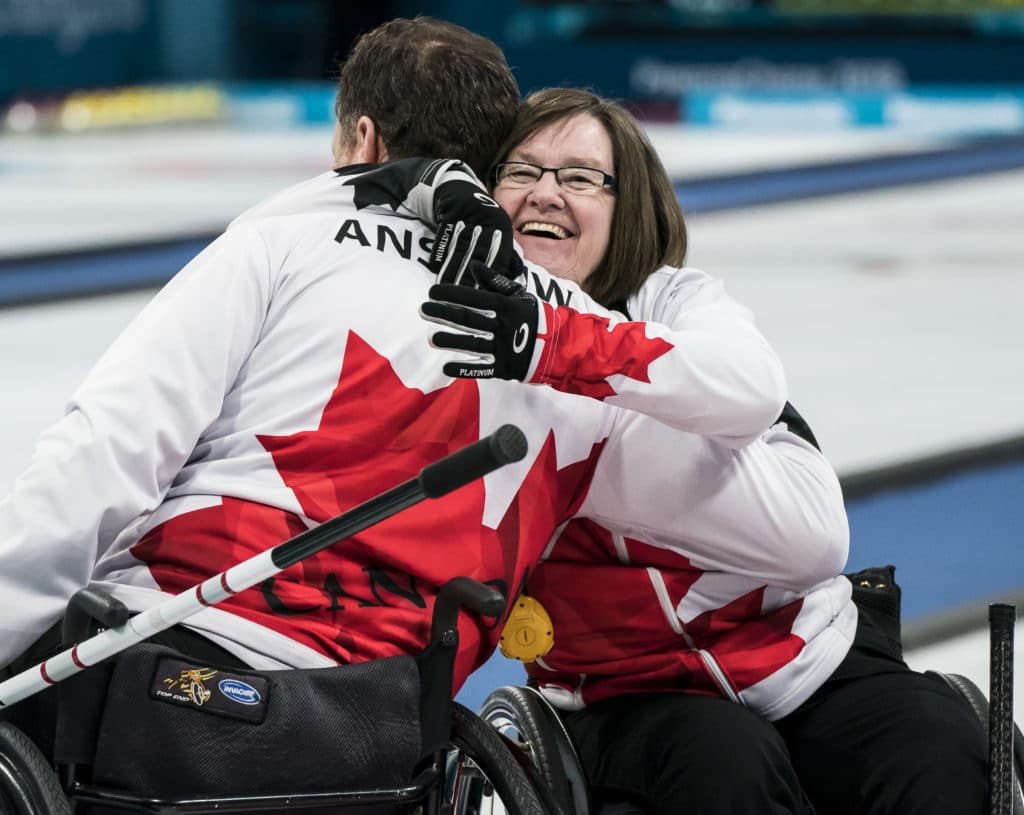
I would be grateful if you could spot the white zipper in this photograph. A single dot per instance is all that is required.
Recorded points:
(661, 591)
(554, 539)
(577, 694)
(718, 675)
(620, 548)
(713, 668)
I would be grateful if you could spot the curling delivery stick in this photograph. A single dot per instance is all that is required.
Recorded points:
(1001, 619)
(505, 445)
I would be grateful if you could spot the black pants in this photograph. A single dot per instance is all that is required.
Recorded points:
(875, 739)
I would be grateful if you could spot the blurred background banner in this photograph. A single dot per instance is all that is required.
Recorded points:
(853, 170)
(724, 62)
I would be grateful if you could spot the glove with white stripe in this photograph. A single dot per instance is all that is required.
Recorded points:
(497, 325)
(446, 194)
(471, 227)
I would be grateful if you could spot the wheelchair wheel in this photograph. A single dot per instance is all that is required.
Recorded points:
(524, 717)
(28, 785)
(485, 768)
(978, 701)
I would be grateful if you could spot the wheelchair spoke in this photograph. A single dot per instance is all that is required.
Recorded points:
(484, 776)
(525, 719)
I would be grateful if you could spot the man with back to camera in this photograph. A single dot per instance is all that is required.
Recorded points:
(223, 420)
(283, 377)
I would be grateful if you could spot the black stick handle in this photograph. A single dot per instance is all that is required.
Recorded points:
(1001, 618)
(504, 445)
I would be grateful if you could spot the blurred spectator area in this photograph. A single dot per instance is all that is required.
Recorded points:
(631, 49)
(656, 50)
(51, 47)
(836, 62)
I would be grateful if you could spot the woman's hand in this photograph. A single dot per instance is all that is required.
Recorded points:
(496, 324)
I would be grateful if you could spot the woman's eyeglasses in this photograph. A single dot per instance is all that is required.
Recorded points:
(579, 180)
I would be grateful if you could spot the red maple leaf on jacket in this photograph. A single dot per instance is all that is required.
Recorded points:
(749, 645)
(371, 595)
(612, 629)
(581, 351)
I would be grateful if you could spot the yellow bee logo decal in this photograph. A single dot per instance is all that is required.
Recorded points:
(190, 683)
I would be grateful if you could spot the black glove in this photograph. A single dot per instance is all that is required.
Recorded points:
(471, 227)
(498, 325)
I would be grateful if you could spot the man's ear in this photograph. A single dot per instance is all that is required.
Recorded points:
(367, 147)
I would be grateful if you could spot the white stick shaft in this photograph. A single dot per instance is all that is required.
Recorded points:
(145, 624)
(474, 461)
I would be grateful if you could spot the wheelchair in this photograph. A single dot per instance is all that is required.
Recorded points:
(525, 718)
(418, 751)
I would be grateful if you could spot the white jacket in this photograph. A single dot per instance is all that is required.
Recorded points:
(283, 377)
(742, 598)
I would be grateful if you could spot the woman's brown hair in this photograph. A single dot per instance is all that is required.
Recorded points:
(648, 230)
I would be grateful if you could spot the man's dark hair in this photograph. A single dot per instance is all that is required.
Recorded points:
(432, 89)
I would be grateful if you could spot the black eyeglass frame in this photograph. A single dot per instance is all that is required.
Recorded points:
(607, 181)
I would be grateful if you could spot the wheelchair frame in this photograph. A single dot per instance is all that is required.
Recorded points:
(528, 720)
(473, 762)
(29, 786)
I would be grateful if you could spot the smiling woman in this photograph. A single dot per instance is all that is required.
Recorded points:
(683, 675)
(608, 236)
(562, 221)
